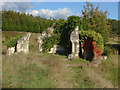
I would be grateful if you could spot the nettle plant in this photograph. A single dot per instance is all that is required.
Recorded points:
(96, 37)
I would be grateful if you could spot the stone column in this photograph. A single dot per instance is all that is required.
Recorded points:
(40, 42)
(73, 47)
(74, 37)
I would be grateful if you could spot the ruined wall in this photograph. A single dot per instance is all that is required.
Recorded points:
(23, 44)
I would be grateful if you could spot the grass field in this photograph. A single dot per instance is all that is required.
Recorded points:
(43, 70)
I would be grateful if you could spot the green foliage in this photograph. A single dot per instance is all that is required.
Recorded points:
(96, 20)
(49, 42)
(114, 26)
(96, 37)
(64, 28)
(107, 51)
(15, 21)
(13, 41)
(73, 21)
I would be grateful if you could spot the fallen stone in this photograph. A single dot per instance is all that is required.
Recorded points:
(11, 51)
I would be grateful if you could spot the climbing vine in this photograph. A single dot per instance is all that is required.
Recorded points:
(96, 37)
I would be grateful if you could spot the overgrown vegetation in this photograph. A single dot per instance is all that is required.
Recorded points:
(49, 42)
(13, 41)
(96, 37)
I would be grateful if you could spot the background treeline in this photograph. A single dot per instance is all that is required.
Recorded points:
(15, 21)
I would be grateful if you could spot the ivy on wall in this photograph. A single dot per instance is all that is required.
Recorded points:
(13, 41)
(96, 37)
(49, 42)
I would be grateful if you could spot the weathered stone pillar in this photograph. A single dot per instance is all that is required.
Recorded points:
(74, 37)
(40, 42)
(23, 44)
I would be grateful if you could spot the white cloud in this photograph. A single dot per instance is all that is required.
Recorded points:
(17, 6)
(47, 13)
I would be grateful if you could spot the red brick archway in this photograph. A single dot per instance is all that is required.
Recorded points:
(91, 50)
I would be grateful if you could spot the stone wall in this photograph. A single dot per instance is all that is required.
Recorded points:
(45, 34)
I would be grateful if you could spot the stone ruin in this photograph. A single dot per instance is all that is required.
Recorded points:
(47, 33)
(74, 37)
(50, 30)
(40, 40)
(22, 45)
(87, 50)
(57, 49)
(11, 51)
(54, 49)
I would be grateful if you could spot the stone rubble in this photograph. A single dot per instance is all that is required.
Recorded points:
(11, 51)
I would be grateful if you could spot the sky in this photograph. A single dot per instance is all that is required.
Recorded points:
(59, 9)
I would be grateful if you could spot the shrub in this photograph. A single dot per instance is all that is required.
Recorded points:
(107, 51)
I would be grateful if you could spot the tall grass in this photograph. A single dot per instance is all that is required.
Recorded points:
(25, 71)
(43, 70)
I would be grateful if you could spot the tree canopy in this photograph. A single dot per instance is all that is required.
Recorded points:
(16, 21)
(96, 20)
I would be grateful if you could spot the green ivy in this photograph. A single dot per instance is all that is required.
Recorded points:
(49, 42)
(13, 41)
(96, 37)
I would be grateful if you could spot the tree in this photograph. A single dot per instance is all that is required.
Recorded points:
(73, 21)
(114, 27)
(96, 20)
(64, 28)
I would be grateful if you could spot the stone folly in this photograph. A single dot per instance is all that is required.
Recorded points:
(45, 34)
(74, 37)
(50, 30)
(23, 44)
(40, 40)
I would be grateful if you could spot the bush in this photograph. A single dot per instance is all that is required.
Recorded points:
(13, 41)
(107, 51)
(110, 50)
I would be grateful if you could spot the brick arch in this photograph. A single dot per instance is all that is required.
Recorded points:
(91, 50)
